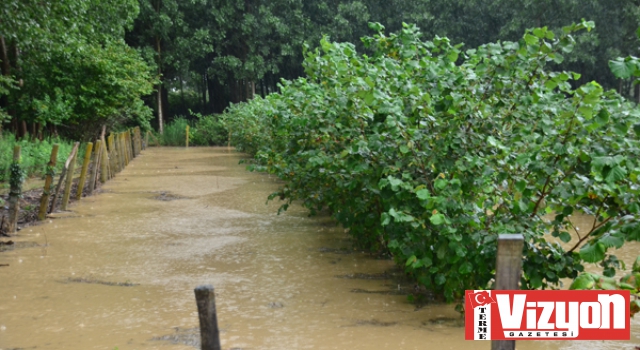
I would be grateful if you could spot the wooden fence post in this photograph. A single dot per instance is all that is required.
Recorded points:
(104, 162)
(125, 149)
(64, 173)
(15, 191)
(118, 148)
(209, 332)
(139, 138)
(112, 157)
(83, 173)
(187, 135)
(136, 148)
(127, 146)
(69, 182)
(131, 151)
(127, 139)
(44, 200)
(94, 169)
(508, 272)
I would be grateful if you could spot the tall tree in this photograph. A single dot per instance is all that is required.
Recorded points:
(44, 43)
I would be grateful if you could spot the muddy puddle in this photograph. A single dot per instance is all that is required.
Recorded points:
(119, 271)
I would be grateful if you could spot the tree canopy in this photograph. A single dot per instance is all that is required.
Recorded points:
(203, 55)
(65, 66)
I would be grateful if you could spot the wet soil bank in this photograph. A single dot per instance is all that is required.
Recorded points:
(118, 271)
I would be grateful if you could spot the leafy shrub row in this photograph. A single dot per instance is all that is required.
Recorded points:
(430, 152)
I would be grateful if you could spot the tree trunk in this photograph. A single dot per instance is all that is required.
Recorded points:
(250, 88)
(218, 97)
(204, 93)
(160, 107)
(183, 100)
(6, 65)
(235, 91)
(160, 116)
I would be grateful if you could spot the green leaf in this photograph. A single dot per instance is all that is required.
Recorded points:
(586, 111)
(602, 117)
(636, 265)
(636, 129)
(536, 282)
(385, 219)
(452, 56)
(583, 282)
(592, 252)
(611, 241)
(465, 268)
(530, 39)
(539, 32)
(607, 283)
(423, 194)
(437, 219)
(440, 184)
(565, 236)
(395, 183)
(621, 128)
(621, 69)
(400, 216)
(616, 173)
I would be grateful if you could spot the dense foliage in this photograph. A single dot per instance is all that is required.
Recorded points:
(202, 55)
(213, 52)
(429, 152)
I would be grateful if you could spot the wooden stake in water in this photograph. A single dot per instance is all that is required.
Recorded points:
(69, 182)
(139, 136)
(44, 200)
(129, 145)
(125, 149)
(83, 173)
(14, 193)
(209, 332)
(120, 156)
(63, 173)
(94, 168)
(508, 271)
(104, 161)
(112, 157)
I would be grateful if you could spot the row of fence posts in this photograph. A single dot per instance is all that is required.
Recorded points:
(102, 161)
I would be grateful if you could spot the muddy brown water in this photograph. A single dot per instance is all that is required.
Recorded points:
(118, 271)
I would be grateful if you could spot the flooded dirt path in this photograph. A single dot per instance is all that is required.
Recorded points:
(118, 271)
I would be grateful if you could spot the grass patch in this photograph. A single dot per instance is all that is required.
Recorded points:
(34, 155)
